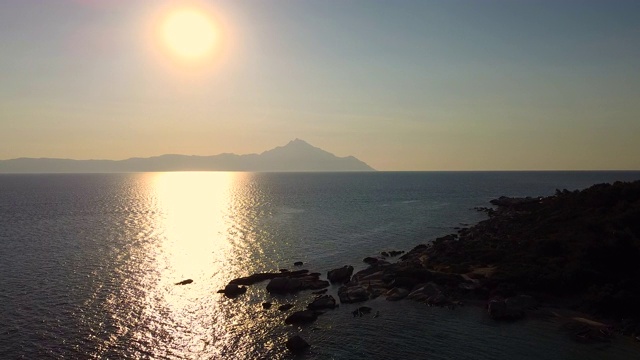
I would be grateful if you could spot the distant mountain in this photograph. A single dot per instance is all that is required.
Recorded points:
(297, 155)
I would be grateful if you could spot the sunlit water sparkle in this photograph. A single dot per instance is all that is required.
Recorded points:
(90, 264)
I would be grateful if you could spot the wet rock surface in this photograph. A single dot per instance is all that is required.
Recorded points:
(340, 275)
(302, 317)
(323, 302)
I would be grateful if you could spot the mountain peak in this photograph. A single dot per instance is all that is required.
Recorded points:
(297, 155)
(298, 142)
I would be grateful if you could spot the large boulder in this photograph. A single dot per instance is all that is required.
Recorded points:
(301, 317)
(323, 302)
(256, 278)
(313, 283)
(405, 282)
(375, 261)
(296, 344)
(340, 275)
(233, 290)
(396, 294)
(283, 285)
(429, 293)
(353, 294)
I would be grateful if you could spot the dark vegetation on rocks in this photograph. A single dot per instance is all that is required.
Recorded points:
(581, 246)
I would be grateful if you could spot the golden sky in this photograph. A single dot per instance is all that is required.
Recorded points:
(407, 85)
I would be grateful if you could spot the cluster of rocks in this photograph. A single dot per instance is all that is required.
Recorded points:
(567, 244)
(282, 282)
(405, 279)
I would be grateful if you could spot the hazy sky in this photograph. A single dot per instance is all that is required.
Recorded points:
(402, 85)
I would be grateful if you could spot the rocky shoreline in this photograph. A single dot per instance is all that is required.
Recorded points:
(577, 249)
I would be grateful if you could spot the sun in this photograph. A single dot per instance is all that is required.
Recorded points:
(190, 34)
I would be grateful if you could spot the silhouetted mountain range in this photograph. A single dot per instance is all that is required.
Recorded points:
(297, 155)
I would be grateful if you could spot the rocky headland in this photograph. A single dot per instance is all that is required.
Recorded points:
(576, 249)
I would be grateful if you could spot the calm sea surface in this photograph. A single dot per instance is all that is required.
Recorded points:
(89, 261)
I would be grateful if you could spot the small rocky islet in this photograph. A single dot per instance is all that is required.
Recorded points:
(576, 249)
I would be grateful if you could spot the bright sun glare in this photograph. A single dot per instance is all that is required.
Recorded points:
(189, 34)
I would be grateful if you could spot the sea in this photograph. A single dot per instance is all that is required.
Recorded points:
(89, 263)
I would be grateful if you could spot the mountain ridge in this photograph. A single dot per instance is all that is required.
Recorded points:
(297, 155)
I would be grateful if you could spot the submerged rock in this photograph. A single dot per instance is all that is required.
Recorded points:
(298, 263)
(266, 305)
(393, 253)
(297, 344)
(362, 310)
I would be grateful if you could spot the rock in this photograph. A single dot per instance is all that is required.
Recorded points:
(352, 294)
(323, 302)
(285, 307)
(256, 278)
(396, 294)
(296, 344)
(282, 285)
(340, 275)
(315, 284)
(370, 260)
(319, 292)
(393, 253)
(429, 293)
(385, 254)
(184, 282)
(405, 282)
(284, 270)
(266, 305)
(291, 284)
(233, 290)
(298, 263)
(301, 317)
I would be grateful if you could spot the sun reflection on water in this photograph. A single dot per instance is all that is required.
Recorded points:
(194, 208)
(205, 226)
